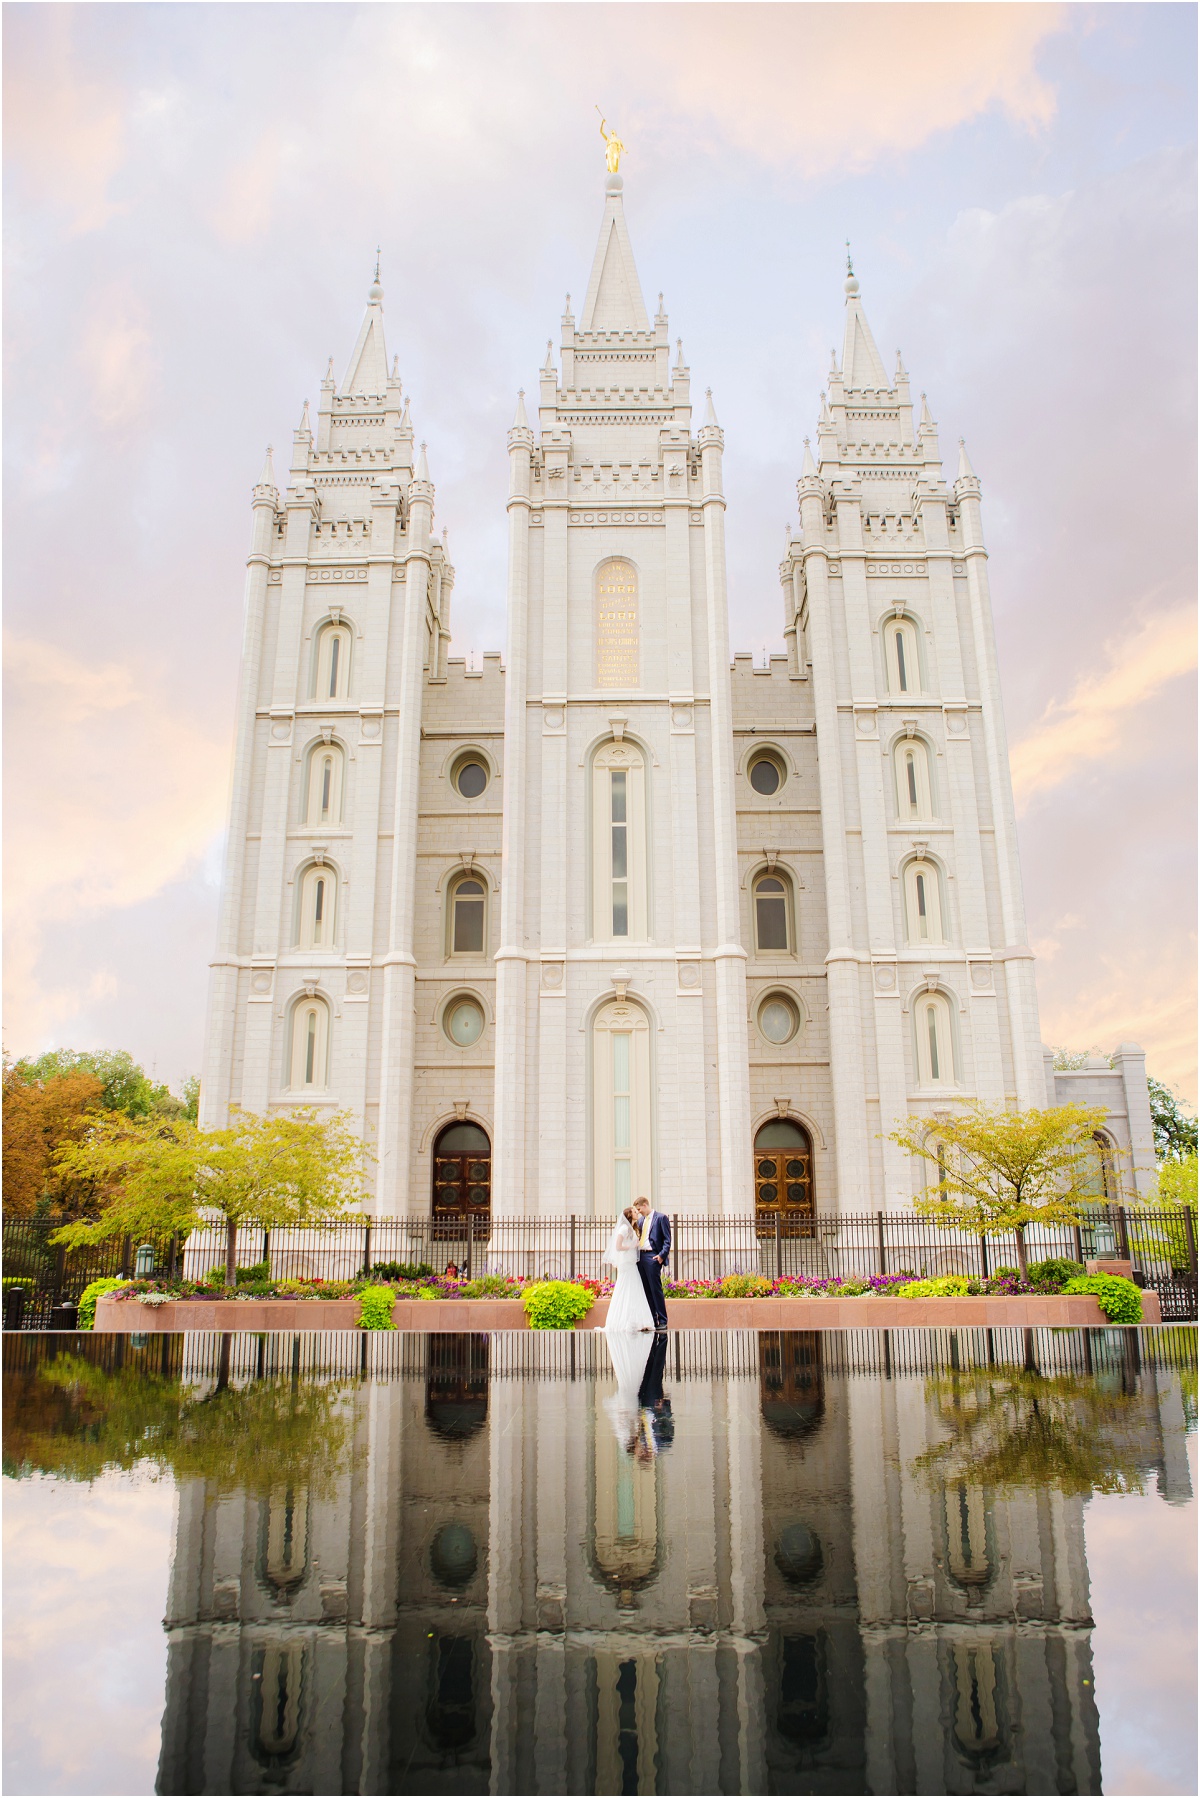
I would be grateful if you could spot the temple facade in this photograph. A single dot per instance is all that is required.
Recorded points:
(784, 1588)
(621, 914)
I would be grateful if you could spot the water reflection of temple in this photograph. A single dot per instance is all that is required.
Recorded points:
(500, 1594)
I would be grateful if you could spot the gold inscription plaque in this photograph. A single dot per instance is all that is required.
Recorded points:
(617, 625)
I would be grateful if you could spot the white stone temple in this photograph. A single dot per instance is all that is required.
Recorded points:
(620, 914)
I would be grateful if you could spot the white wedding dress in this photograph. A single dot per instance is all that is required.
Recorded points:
(628, 1309)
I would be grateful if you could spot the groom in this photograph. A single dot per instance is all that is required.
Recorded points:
(653, 1248)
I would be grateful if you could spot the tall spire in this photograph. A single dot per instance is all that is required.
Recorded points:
(614, 295)
(368, 371)
(520, 422)
(965, 471)
(861, 362)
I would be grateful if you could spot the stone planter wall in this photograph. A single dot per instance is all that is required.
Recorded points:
(458, 1315)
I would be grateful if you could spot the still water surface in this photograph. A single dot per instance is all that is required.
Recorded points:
(749, 1562)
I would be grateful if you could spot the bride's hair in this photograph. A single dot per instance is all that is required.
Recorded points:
(627, 1214)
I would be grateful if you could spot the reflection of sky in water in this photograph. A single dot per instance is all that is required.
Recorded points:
(776, 1459)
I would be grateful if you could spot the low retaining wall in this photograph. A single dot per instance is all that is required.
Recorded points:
(1079, 1312)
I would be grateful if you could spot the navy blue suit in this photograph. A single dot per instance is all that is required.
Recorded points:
(651, 1263)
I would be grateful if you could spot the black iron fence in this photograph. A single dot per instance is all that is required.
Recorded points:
(205, 1358)
(1160, 1244)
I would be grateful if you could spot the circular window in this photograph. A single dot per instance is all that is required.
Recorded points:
(778, 1019)
(798, 1556)
(767, 774)
(464, 1022)
(453, 1555)
(470, 777)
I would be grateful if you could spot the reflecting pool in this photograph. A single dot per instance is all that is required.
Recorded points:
(906, 1561)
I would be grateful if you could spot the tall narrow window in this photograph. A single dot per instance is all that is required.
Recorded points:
(309, 1046)
(935, 1046)
(772, 906)
(923, 903)
(914, 798)
(318, 908)
(901, 654)
(621, 1097)
(619, 908)
(325, 771)
(622, 1138)
(467, 901)
(333, 662)
(619, 804)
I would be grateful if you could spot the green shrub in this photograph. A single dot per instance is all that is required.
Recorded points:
(946, 1286)
(1006, 1273)
(1054, 1272)
(1119, 1299)
(375, 1308)
(745, 1286)
(851, 1288)
(401, 1270)
(490, 1286)
(243, 1276)
(556, 1304)
(88, 1297)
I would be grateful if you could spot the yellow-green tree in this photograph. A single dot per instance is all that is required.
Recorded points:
(998, 1170)
(162, 1176)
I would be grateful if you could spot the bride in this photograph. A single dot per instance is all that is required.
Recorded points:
(628, 1309)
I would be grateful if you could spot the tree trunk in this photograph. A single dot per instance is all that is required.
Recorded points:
(1022, 1258)
(231, 1230)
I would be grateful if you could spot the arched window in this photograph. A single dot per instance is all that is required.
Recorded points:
(619, 909)
(902, 656)
(283, 1541)
(914, 790)
(468, 907)
(935, 1042)
(318, 907)
(773, 926)
(326, 770)
(333, 662)
(621, 1132)
(309, 1069)
(617, 624)
(923, 903)
(1105, 1183)
(277, 1683)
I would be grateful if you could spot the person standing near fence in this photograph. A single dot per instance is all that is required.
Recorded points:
(654, 1248)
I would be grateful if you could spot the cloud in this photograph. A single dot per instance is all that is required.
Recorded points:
(118, 357)
(112, 793)
(1094, 723)
(825, 88)
(64, 132)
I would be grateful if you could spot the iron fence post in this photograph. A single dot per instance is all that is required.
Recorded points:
(1122, 1232)
(778, 1250)
(470, 1241)
(983, 1257)
(366, 1249)
(882, 1244)
(1190, 1234)
(675, 1239)
(1078, 1233)
(571, 1274)
(126, 1257)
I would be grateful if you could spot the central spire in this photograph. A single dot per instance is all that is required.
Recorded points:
(862, 366)
(614, 295)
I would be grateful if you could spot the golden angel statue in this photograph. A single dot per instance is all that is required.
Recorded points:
(616, 149)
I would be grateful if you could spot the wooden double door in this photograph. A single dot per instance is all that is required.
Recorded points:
(462, 1175)
(783, 1182)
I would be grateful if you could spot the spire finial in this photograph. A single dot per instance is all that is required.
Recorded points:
(267, 477)
(421, 472)
(329, 374)
(395, 368)
(375, 291)
(304, 424)
(710, 411)
(851, 278)
(520, 421)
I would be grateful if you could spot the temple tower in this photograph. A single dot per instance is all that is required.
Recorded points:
(621, 1007)
(930, 976)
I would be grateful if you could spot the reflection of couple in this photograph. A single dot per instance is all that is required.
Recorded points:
(638, 1249)
(639, 1409)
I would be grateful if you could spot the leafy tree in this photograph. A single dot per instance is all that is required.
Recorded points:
(191, 1097)
(1003, 1170)
(1016, 1429)
(126, 1085)
(160, 1176)
(74, 1419)
(1174, 1131)
(41, 1115)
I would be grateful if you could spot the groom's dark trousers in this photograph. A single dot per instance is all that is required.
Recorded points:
(651, 1270)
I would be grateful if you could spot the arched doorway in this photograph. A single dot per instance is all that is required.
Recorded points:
(783, 1183)
(462, 1175)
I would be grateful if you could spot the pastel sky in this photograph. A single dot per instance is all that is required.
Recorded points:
(194, 194)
